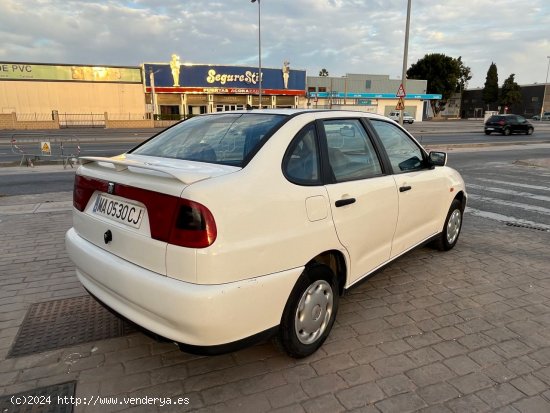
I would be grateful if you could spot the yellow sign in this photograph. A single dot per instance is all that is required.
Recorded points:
(400, 104)
(46, 148)
(27, 71)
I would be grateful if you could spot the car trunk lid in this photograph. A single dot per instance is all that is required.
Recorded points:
(129, 205)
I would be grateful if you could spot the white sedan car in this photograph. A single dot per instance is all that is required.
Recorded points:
(231, 226)
(407, 118)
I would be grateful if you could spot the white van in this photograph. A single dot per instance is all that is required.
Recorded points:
(407, 118)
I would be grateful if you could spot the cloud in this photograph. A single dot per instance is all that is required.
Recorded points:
(343, 36)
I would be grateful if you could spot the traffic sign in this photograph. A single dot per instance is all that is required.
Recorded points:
(401, 91)
(46, 148)
(400, 104)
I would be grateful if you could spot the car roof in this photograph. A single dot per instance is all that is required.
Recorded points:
(295, 112)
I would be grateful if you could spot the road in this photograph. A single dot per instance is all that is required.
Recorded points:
(499, 188)
(104, 144)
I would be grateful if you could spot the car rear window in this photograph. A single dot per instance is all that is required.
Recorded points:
(496, 118)
(224, 139)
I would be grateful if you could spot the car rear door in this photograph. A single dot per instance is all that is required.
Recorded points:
(419, 188)
(363, 197)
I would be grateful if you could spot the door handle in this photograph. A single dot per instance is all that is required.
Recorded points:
(343, 202)
(405, 188)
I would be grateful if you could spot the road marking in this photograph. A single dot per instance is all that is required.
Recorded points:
(512, 204)
(541, 188)
(508, 192)
(505, 218)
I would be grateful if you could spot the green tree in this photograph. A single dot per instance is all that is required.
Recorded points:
(465, 75)
(443, 73)
(490, 89)
(323, 72)
(511, 92)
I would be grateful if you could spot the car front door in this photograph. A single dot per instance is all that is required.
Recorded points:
(521, 124)
(419, 188)
(363, 195)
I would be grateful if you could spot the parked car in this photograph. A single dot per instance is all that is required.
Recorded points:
(545, 116)
(508, 124)
(229, 227)
(407, 118)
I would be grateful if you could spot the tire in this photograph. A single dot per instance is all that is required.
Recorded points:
(451, 229)
(310, 312)
(487, 132)
(529, 131)
(506, 132)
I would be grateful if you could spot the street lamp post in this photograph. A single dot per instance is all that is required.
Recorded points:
(259, 53)
(405, 53)
(544, 90)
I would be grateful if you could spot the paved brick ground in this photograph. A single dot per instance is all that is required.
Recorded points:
(463, 331)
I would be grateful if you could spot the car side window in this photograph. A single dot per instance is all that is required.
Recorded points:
(350, 152)
(520, 119)
(301, 162)
(404, 154)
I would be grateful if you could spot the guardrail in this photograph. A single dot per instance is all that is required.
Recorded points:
(35, 147)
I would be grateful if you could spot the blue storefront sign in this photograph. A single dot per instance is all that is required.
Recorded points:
(429, 96)
(225, 79)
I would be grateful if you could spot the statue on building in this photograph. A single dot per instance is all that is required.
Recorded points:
(286, 73)
(175, 66)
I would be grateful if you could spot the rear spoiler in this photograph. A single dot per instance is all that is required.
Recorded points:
(123, 164)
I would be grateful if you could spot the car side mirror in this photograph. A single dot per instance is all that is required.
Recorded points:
(438, 158)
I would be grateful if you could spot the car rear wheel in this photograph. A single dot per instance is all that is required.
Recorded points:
(487, 132)
(452, 227)
(310, 312)
(506, 131)
(529, 131)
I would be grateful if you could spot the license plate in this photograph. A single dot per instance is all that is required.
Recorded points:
(118, 211)
(490, 128)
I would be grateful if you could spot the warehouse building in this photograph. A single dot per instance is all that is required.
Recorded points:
(369, 93)
(74, 94)
(534, 99)
(40, 95)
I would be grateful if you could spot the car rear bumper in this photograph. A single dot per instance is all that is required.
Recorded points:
(192, 314)
(498, 129)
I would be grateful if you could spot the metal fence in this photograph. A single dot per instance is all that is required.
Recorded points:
(129, 116)
(33, 147)
(81, 120)
(34, 117)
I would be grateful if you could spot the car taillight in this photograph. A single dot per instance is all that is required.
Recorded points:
(172, 219)
(84, 187)
(502, 122)
(194, 226)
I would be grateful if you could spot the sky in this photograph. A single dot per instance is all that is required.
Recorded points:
(343, 36)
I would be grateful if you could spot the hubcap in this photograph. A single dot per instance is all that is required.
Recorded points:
(314, 312)
(453, 226)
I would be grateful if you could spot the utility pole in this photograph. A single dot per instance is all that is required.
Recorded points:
(259, 53)
(544, 90)
(405, 53)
